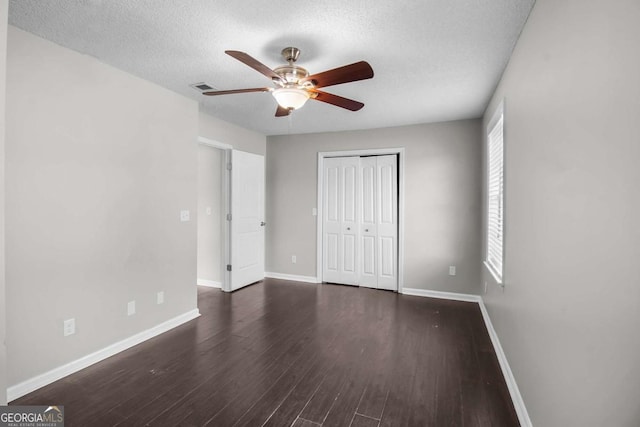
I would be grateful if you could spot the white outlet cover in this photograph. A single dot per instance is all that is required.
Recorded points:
(185, 216)
(452, 270)
(208, 210)
(314, 211)
(131, 308)
(69, 327)
(160, 297)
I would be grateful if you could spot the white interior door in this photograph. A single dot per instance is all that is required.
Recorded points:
(340, 215)
(360, 221)
(247, 219)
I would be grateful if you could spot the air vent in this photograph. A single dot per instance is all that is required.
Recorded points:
(202, 86)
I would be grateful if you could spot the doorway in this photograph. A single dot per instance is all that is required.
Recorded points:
(211, 211)
(230, 216)
(360, 224)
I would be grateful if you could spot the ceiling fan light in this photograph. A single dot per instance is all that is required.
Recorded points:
(291, 98)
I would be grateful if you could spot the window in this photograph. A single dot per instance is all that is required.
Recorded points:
(495, 194)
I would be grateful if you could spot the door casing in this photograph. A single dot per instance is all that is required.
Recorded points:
(319, 220)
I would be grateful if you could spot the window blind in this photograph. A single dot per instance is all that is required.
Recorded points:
(495, 201)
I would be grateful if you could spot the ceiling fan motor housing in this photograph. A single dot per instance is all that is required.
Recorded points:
(291, 74)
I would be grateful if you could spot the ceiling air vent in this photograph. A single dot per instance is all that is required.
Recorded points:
(202, 87)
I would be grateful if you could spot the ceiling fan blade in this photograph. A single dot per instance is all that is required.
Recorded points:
(338, 101)
(349, 73)
(282, 112)
(232, 91)
(253, 63)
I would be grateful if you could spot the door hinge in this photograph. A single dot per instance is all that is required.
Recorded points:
(228, 267)
(229, 166)
(228, 217)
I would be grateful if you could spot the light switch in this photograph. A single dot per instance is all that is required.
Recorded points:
(452, 270)
(208, 210)
(314, 211)
(184, 216)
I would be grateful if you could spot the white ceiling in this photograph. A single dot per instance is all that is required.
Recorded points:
(434, 60)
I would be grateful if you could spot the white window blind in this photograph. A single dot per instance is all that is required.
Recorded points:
(495, 196)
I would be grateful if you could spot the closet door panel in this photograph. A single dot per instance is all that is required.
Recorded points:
(368, 220)
(387, 230)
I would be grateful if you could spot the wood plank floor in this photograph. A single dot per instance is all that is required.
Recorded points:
(282, 353)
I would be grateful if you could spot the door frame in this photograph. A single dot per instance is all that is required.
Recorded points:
(320, 203)
(226, 206)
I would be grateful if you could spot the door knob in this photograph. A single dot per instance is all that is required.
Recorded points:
(262, 224)
(366, 230)
(348, 228)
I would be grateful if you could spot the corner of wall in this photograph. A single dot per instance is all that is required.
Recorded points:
(4, 5)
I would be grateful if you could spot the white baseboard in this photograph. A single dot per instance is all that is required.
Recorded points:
(305, 279)
(442, 295)
(209, 283)
(514, 391)
(42, 380)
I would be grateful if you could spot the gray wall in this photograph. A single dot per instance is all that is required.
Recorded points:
(228, 133)
(99, 164)
(568, 318)
(442, 208)
(3, 329)
(210, 231)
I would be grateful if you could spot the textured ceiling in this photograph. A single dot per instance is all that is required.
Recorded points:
(434, 60)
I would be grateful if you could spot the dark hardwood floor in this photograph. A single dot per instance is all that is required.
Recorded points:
(282, 353)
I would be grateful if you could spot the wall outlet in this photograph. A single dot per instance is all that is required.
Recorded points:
(185, 216)
(314, 211)
(131, 308)
(69, 327)
(452, 270)
(293, 259)
(160, 297)
(208, 210)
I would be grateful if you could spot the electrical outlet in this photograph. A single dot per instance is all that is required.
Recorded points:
(69, 327)
(452, 270)
(208, 210)
(185, 216)
(160, 297)
(293, 259)
(131, 308)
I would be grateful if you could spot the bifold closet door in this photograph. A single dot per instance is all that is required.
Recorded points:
(340, 214)
(360, 221)
(378, 222)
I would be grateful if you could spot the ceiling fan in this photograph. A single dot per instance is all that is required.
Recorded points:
(294, 86)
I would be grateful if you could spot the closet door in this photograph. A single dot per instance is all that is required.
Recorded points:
(340, 215)
(360, 221)
(387, 222)
(368, 223)
(379, 222)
